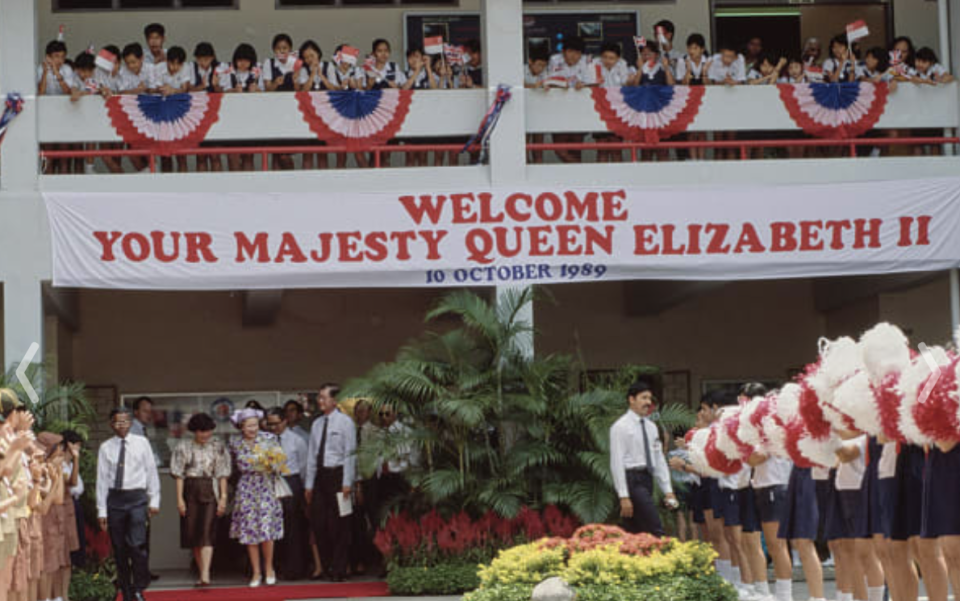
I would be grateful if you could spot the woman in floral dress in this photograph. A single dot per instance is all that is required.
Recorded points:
(257, 514)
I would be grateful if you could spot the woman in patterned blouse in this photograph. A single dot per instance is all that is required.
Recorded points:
(200, 466)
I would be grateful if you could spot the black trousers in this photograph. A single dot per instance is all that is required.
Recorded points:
(362, 551)
(127, 517)
(293, 549)
(331, 531)
(645, 518)
(389, 487)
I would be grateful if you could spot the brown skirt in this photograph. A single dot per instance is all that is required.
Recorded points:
(199, 527)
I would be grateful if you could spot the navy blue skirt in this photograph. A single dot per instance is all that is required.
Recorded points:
(714, 496)
(771, 502)
(696, 503)
(800, 518)
(826, 499)
(852, 511)
(739, 509)
(941, 494)
(908, 501)
(878, 525)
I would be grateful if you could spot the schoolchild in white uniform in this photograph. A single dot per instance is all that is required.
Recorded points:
(136, 77)
(108, 84)
(384, 73)
(348, 76)
(841, 66)
(571, 69)
(278, 76)
(173, 75)
(311, 77)
(205, 72)
(902, 59)
(665, 42)
(771, 475)
(611, 71)
(155, 34)
(54, 76)
(653, 69)
(728, 69)
(739, 518)
(928, 68)
(419, 76)
(244, 77)
(875, 67)
(795, 72)
(767, 70)
(691, 70)
(535, 77)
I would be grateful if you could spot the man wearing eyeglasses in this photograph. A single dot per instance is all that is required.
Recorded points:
(292, 549)
(391, 470)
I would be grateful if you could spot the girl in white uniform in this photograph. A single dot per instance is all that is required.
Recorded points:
(244, 77)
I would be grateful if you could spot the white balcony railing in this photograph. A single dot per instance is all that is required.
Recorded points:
(458, 113)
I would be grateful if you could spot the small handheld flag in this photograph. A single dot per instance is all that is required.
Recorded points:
(453, 54)
(106, 60)
(370, 63)
(433, 45)
(661, 32)
(349, 55)
(857, 30)
(640, 43)
(60, 36)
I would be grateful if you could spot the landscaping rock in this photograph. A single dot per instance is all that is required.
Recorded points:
(554, 589)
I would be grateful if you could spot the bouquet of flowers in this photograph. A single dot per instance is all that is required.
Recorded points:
(271, 460)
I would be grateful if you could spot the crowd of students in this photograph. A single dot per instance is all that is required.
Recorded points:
(156, 69)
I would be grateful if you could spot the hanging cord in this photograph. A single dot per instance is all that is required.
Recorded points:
(488, 124)
(12, 108)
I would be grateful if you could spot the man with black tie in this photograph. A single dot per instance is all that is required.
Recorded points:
(636, 457)
(128, 492)
(331, 469)
(293, 548)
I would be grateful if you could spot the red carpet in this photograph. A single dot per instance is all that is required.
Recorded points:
(275, 593)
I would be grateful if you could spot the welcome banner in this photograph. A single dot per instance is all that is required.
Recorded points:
(470, 237)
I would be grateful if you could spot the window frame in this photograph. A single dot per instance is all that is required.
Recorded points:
(115, 5)
(338, 4)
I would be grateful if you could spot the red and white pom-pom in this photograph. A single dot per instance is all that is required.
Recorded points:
(854, 399)
(788, 402)
(732, 425)
(795, 430)
(820, 451)
(936, 414)
(885, 351)
(751, 416)
(697, 448)
(809, 408)
(775, 435)
(718, 461)
(841, 360)
(727, 444)
(911, 384)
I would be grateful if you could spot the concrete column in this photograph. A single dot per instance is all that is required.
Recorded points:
(19, 164)
(955, 305)
(22, 318)
(502, 47)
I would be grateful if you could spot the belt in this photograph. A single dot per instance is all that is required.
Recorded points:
(125, 490)
(638, 470)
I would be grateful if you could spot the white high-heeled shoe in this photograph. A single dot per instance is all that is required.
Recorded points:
(254, 583)
(271, 580)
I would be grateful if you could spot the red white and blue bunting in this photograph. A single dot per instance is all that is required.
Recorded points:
(164, 122)
(835, 110)
(12, 107)
(648, 113)
(355, 119)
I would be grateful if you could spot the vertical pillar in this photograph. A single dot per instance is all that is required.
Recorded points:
(943, 20)
(22, 318)
(18, 63)
(502, 49)
(955, 305)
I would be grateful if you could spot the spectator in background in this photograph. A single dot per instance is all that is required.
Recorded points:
(472, 76)
(73, 445)
(293, 412)
(257, 519)
(384, 73)
(391, 469)
(653, 69)
(278, 76)
(155, 35)
(611, 72)
(691, 70)
(142, 416)
(842, 64)
(200, 466)
(534, 77)
(138, 76)
(726, 69)
(244, 77)
(753, 53)
(688, 486)
(666, 43)
(292, 548)
(903, 58)
(928, 68)
(56, 78)
(812, 51)
(362, 551)
(570, 69)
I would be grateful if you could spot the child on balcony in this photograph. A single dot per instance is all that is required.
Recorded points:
(172, 77)
(383, 73)
(876, 67)
(245, 77)
(278, 76)
(842, 64)
(691, 70)
(155, 34)
(349, 76)
(311, 78)
(611, 72)
(928, 68)
(652, 69)
(136, 77)
(108, 84)
(419, 76)
(54, 76)
(902, 55)
(727, 69)
(572, 69)
(765, 72)
(84, 73)
(205, 75)
(534, 78)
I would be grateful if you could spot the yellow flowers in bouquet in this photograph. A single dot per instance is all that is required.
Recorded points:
(271, 460)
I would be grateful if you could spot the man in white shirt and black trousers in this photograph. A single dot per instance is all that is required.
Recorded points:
(331, 469)
(293, 549)
(636, 457)
(128, 492)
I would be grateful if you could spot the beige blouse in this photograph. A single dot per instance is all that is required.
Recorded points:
(191, 460)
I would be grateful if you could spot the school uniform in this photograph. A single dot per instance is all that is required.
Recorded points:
(941, 492)
(531, 79)
(421, 79)
(273, 68)
(788, 79)
(852, 515)
(316, 83)
(230, 80)
(107, 80)
(770, 482)
(52, 87)
(616, 76)
(128, 80)
(149, 60)
(174, 80)
(210, 75)
(908, 516)
(754, 75)
(636, 458)
(801, 515)
(383, 77)
(831, 64)
(719, 71)
(936, 70)
(697, 70)
(881, 474)
(713, 496)
(826, 493)
(579, 72)
(127, 486)
(739, 507)
(342, 78)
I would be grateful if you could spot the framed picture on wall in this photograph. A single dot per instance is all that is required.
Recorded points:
(676, 387)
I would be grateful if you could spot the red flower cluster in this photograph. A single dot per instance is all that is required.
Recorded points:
(599, 535)
(431, 534)
(98, 543)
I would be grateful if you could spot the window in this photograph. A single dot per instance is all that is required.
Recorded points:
(351, 3)
(68, 5)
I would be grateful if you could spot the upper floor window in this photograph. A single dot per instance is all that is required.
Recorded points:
(65, 5)
(351, 3)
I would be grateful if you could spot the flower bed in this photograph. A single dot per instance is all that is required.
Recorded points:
(434, 555)
(606, 563)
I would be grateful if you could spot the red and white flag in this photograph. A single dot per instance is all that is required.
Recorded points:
(640, 43)
(60, 36)
(433, 45)
(370, 63)
(557, 81)
(106, 60)
(661, 32)
(349, 55)
(857, 30)
(453, 54)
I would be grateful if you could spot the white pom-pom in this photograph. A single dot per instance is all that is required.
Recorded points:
(776, 438)
(910, 385)
(885, 350)
(698, 455)
(725, 444)
(820, 451)
(854, 398)
(788, 402)
(746, 431)
(841, 359)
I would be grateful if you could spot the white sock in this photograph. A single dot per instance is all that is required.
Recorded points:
(762, 587)
(784, 590)
(735, 576)
(841, 596)
(796, 557)
(875, 593)
(723, 567)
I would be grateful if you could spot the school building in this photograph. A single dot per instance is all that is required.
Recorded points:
(213, 335)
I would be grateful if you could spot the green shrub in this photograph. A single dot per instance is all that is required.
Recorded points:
(441, 579)
(704, 588)
(92, 586)
(502, 592)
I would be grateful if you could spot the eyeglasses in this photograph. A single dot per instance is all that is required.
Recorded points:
(385, 414)
(273, 424)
